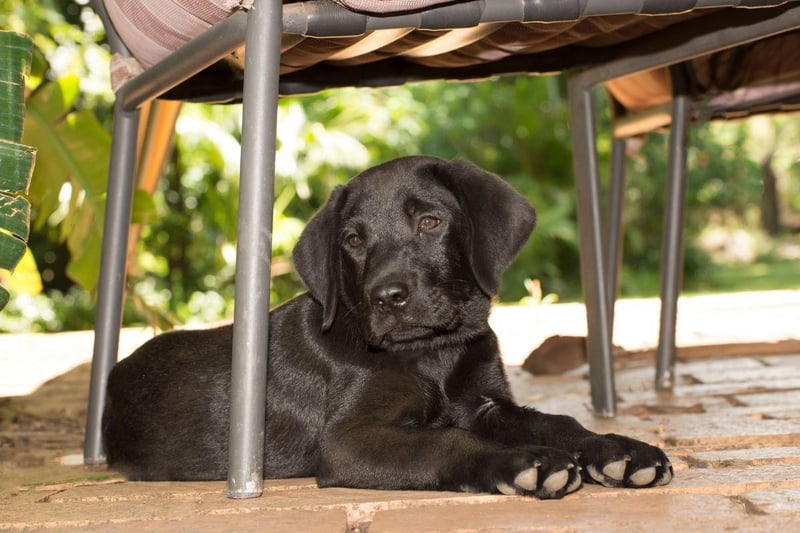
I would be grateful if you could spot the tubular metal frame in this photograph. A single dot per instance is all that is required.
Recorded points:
(600, 249)
(254, 251)
(261, 29)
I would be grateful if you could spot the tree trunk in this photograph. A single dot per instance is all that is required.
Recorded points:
(770, 219)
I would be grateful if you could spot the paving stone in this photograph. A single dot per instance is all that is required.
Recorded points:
(624, 513)
(771, 399)
(726, 430)
(775, 501)
(733, 461)
(721, 389)
(713, 366)
(257, 522)
(781, 360)
(746, 457)
(148, 501)
(733, 481)
(751, 375)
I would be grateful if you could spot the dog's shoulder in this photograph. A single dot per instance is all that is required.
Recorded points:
(296, 320)
(172, 352)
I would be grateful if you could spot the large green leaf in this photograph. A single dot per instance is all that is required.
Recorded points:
(15, 215)
(11, 251)
(16, 160)
(84, 267)
(78, 150)
(46, 107)
(52, 101)
(16, 166)
(15, 59)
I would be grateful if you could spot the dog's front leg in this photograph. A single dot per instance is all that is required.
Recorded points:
(392, 434)
(611, 460)
(391, 457)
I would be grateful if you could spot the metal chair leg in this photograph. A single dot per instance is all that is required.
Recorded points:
(254, 250)
(593, 277)
(110, 290)
(672, 250)
(613, 228)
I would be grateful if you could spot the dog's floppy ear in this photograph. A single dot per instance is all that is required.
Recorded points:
(316, 255)
(498, 220)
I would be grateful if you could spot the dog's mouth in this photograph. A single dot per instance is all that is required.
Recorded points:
(398, 333)
(400, 336)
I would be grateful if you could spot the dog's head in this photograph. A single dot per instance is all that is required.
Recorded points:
(412, 250)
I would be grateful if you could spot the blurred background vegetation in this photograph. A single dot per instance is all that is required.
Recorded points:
(737, 237)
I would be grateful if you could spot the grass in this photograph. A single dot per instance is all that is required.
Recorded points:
(765, 274)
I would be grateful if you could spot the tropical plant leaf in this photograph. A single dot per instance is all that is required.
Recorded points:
(78, 150)
(46, 107)
(15, 59)
(54, 100)
(16, 160)
(84, 267)
(15, 215)
(11, 251)
(16, 166)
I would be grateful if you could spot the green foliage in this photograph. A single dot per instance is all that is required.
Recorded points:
(16, 160)
(186, 256)
(516, 127)
(78, 149)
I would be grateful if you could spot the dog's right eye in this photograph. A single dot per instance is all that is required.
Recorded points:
(354, 241)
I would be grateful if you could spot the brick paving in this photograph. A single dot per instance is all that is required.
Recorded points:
(731, 428)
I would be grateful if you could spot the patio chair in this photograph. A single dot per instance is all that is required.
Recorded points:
(195, 50)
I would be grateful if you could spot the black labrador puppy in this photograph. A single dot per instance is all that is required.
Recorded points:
(386, 374)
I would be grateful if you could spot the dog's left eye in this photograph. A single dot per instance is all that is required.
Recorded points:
(354, 241)
(427, 223)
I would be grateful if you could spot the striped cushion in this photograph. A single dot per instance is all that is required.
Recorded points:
(151, 29)
(389, 6)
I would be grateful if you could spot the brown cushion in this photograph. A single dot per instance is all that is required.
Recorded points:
(389, 6)
(151, 29)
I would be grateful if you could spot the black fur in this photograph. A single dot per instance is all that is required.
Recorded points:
(386, 374)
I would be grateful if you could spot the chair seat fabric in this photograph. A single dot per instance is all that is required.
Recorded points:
(151, 29)
(547, 37)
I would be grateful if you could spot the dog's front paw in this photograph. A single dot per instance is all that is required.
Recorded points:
(616, 461)
(545, 473)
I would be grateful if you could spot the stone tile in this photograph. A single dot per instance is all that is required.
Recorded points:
(713, 366)
(623, 513)
(745, 457)
(725, 430)
(775, 501)
(171, 501)
(657, 403)
(721, 389)
(751, 375)
(324, 521)
(732, 481)
(770, 399)
(781, 360)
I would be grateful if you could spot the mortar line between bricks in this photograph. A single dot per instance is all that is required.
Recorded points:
(749, 507)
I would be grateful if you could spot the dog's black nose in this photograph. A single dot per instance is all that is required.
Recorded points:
(393, 294)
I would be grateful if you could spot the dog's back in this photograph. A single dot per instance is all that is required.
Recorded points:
(166, 414)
